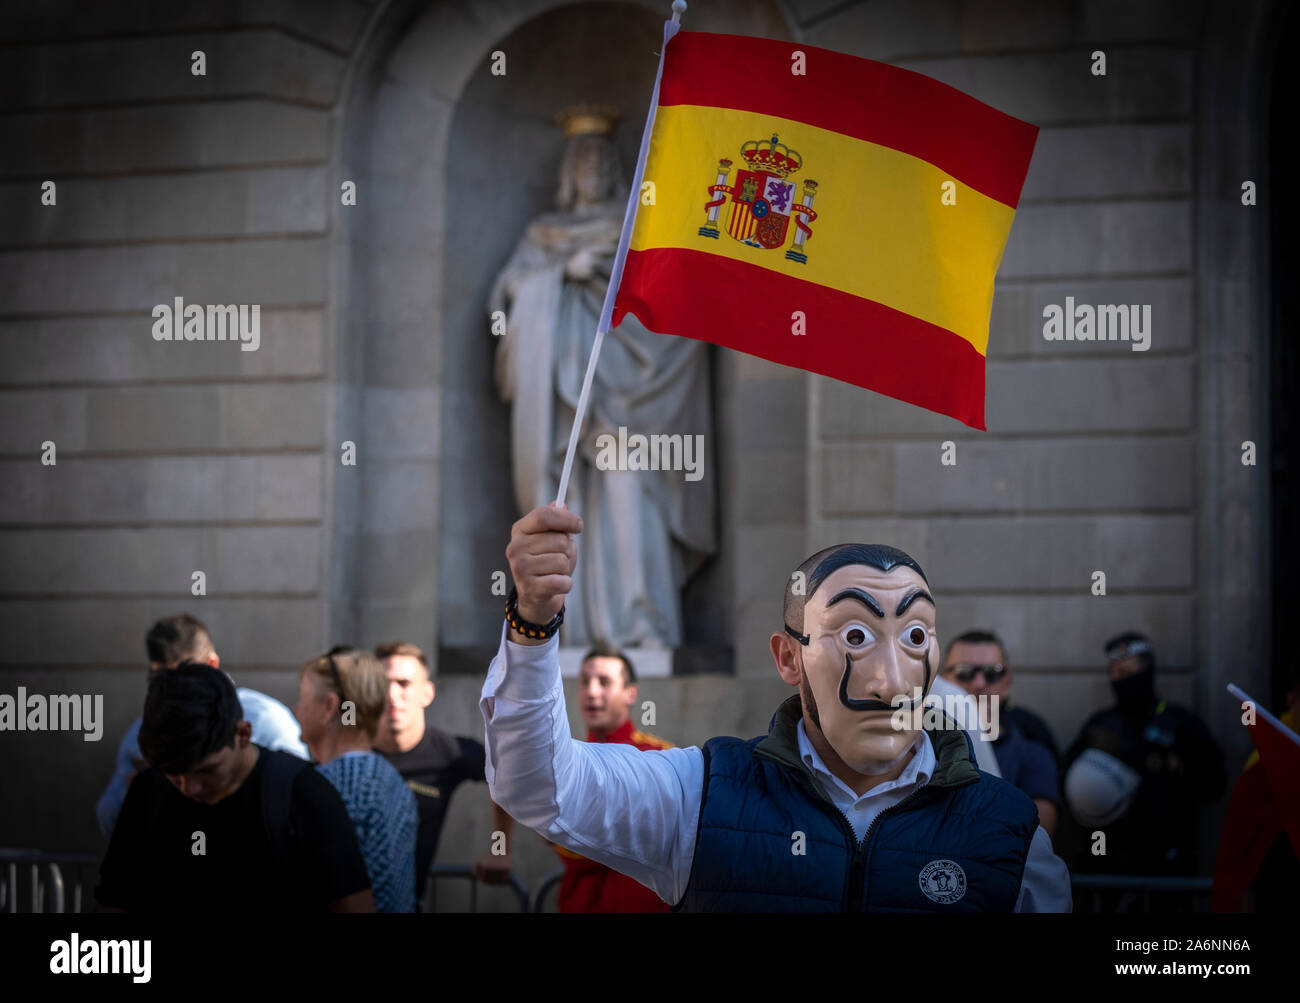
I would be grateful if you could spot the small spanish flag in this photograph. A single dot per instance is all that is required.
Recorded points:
(826, 212)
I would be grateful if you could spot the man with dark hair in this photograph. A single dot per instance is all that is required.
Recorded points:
(977, 662)
(218, 824)
(178, 638)
(432, 763)
(607, 692)
(183, 638)
(1140, 770)
(854, 801)
(602, 649)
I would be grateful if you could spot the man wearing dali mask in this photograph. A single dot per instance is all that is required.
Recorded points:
(838, 808)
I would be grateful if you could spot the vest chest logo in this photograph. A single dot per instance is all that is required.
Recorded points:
(942, 881)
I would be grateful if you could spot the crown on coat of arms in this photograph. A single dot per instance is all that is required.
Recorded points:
(772, 156)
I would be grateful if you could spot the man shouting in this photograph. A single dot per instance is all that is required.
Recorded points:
(836, 809)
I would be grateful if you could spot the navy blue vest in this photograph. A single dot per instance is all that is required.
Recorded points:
(958, 844)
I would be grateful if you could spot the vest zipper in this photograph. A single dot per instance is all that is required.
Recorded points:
(838, 817)
(860, 855)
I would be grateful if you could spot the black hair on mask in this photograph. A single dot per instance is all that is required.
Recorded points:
(189, 713)
(816, 569)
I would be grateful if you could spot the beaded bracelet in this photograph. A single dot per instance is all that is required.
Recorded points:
(522, 626)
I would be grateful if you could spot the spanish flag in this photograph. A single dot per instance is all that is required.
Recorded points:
(826, 212)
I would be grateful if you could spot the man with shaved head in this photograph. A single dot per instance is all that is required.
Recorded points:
(845, 805)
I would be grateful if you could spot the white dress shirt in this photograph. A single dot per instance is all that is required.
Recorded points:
(985, 758)
(638, 812)
(861, 809)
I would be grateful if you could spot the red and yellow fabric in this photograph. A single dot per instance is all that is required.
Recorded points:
(822, 194)
(591, 887)
(1259, 807)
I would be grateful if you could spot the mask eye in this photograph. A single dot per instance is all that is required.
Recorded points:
(915, 637)
(855, 636)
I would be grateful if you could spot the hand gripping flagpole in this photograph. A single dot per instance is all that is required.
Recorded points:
(616, 274)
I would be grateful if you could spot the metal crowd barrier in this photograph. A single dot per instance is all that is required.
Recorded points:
(33, 881)
(443, 871)
(550, 881)
(63, 882)
(47, 889)
(1115, 893)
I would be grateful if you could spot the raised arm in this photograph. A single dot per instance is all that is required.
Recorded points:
(631, 810)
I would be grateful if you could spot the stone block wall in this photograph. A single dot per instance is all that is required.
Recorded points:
(225, 189)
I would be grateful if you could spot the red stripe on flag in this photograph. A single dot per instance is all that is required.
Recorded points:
(1279, 755)
(856, 340)
(906, 111)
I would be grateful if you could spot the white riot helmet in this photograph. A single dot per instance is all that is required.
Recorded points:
(1099, 788)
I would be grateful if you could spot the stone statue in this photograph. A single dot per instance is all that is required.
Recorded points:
(646, 530)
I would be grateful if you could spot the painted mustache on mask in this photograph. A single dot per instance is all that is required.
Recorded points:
(852, 704)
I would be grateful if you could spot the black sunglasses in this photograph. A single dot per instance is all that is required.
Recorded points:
(338, 649)
(964, 672)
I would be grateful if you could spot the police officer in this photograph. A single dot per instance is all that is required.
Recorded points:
(1139, 772)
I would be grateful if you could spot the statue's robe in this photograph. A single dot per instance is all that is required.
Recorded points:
(644, 532)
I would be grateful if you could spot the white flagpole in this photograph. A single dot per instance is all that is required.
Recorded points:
(616, 275)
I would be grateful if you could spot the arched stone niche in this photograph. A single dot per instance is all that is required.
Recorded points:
(450, 163)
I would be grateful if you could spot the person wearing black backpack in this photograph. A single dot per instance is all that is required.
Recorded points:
(220, 824)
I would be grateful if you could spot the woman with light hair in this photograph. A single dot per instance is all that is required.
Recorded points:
(341, 696)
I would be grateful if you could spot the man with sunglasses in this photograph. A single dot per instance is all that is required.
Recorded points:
(844, 806)
(977, 662)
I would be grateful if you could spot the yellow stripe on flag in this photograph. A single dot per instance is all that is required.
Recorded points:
(881, 232)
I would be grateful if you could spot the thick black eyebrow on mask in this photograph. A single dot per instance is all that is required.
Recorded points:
(911, 596)
(863, 597)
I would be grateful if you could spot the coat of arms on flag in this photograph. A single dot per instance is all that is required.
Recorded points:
(763, 199)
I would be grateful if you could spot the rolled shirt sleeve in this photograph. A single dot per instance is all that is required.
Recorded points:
(273, 724)
(1045, 885)
(634, 811)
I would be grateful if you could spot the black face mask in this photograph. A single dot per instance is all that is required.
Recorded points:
(1135, 694)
